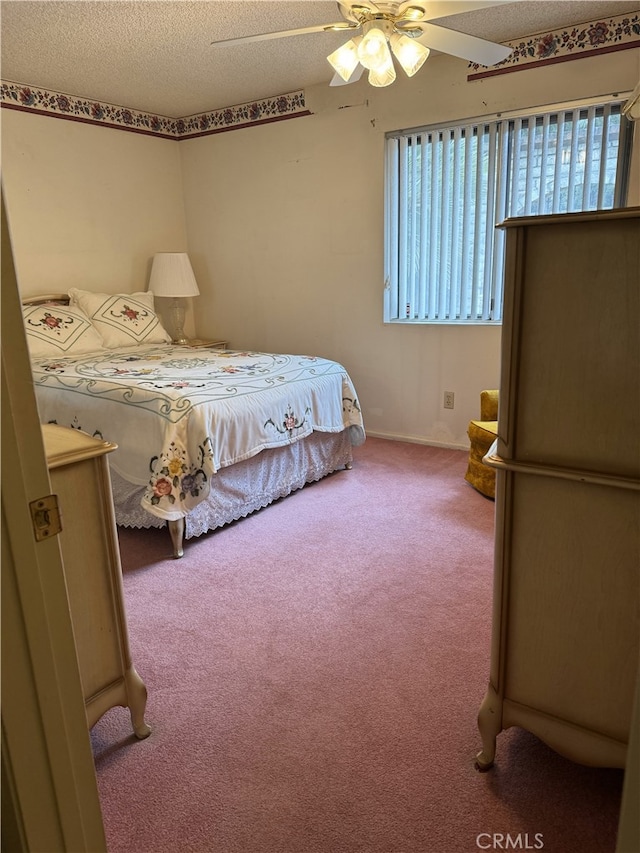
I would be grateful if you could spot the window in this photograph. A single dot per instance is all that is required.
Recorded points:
(447, 188)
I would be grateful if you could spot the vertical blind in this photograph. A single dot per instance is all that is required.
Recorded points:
(447, 188)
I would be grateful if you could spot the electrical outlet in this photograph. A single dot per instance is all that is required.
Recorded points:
(448, 399)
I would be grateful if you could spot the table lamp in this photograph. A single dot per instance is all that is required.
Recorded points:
(172, 277)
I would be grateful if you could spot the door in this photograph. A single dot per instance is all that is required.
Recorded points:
(49, 790)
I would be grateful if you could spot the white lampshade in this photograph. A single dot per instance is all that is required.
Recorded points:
(172, 275)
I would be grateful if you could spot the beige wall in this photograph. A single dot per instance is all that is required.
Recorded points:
(88, 206)
(284, 225)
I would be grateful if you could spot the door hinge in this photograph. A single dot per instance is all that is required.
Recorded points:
(45, 517)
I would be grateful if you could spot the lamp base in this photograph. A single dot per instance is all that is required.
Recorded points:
(176, 316)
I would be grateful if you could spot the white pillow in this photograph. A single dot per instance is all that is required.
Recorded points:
(59, 330)
(122, 319)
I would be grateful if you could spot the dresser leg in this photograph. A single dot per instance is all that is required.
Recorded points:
(137, 697)
(176, 530)
(490, 725)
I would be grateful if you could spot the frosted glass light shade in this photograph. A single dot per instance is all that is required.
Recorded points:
(172, 275)
(383, 76)
(410, 53)
(373, 50)
(345, 59)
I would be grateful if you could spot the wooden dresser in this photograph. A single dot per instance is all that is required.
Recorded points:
(80, 478)
(565, 640)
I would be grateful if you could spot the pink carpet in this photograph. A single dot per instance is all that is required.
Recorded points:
(314, 675)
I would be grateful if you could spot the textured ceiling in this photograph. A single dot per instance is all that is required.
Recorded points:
(157, 56)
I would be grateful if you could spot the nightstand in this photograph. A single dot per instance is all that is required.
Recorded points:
(196, 343)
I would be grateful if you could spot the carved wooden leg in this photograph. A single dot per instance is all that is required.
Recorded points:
(176, 530)
(490, 725)
(137, 698)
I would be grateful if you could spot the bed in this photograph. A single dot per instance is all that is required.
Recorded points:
(205, 436)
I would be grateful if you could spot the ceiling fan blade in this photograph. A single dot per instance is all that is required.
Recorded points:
(434, 9)
(468, 47)
(320, 28)
(337, 80)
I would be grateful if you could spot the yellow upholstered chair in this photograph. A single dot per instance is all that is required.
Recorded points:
(482, 434)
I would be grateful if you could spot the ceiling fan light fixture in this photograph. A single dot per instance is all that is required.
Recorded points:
(410, 53)
(345, 59)
(373, 50)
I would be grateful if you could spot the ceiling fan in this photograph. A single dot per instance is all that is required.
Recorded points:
(401, 29)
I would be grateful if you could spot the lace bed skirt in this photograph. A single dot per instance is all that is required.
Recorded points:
(243, 488)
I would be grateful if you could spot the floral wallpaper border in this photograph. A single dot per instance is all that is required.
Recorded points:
(603, 36)
(18, 96)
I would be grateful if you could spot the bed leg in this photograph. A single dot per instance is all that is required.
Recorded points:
(349, 466)
(176, 530)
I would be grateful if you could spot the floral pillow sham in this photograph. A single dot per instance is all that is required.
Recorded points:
(121, 319)
(59, 330)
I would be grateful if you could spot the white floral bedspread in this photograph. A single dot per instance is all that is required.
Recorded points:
(178, 415)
